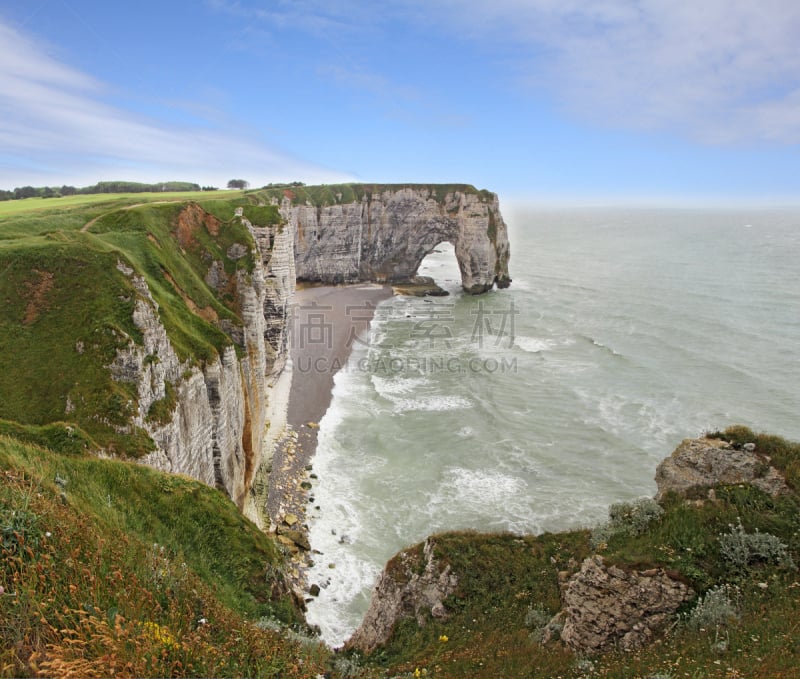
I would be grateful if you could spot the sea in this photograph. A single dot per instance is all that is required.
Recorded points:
(534, 408)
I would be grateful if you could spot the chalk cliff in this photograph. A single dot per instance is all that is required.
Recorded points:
(382, 233)
(215, 429)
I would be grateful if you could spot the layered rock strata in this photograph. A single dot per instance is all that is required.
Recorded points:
(385, 236)
(215, 432)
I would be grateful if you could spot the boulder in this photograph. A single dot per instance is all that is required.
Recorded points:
(606, 607)
(707, 462)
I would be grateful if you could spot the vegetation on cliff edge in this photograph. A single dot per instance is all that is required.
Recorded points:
(337, 194)
(111, 568)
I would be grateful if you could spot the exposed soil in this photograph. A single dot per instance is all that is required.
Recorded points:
(36, 294)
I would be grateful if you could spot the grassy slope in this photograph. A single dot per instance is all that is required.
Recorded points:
(66, 308)
(109, 567)
(100, 562)
(502, 576)
(34, 216)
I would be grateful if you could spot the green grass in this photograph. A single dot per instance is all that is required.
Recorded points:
(16, 207)
(65, 310)
(111, 565)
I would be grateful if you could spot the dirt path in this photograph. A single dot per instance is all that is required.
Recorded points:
(91, 222)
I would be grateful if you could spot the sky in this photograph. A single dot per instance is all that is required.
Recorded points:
(650, 101)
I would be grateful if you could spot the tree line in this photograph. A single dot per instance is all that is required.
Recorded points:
(100, 187)
(124, 187)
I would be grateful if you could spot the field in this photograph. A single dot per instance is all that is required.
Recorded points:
(14, 207)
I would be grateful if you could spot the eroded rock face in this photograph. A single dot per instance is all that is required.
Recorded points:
(216, 430)
(405, 590)
(607, 608)
(386, 235)
(710, 462)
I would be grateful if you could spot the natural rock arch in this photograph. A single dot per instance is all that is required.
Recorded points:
(385, 236)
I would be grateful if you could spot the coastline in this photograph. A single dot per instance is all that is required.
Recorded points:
(326, 323)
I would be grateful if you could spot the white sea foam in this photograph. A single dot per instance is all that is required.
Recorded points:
(431, 403)
(534, 345)
(491, 498)
(388, 387)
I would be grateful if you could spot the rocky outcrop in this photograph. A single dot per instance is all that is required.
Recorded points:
(707, 462)
(218, 410)
(414, 584)
(607, 608)
(385, 236)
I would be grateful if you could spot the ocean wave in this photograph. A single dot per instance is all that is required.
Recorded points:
(432, 403)
(534, 345)
(389, 387)
(600, 345)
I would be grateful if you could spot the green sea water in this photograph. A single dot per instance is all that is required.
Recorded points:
(534, 408)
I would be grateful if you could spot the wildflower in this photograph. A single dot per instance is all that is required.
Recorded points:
(160, 634)
(2, 589)
(202, 621)
(444, 638)
(48, 534)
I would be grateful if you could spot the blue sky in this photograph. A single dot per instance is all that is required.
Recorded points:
(544, 100)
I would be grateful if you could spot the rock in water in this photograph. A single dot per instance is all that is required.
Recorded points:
(385, 236)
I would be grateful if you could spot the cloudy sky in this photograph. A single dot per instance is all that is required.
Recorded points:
(549, 100)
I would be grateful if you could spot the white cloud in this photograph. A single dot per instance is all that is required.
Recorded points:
(721, 71)
(56, 126)
(717, 71)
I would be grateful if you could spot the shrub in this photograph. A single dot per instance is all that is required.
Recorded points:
(627, 518)
(717, 607)
(18, 531)
(742, 549)
(348, 666)
(543, 626)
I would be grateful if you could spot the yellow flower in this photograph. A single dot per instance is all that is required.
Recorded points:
(417, 673)
(159, 634)
(444, 638)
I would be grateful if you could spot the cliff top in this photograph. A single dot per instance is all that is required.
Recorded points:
(332, 194)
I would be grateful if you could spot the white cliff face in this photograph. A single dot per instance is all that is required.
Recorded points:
(215, 430)
(386, 235)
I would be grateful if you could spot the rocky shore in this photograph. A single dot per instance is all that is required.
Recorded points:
(326, 323)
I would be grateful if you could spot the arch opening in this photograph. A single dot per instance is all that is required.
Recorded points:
(441, 266)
